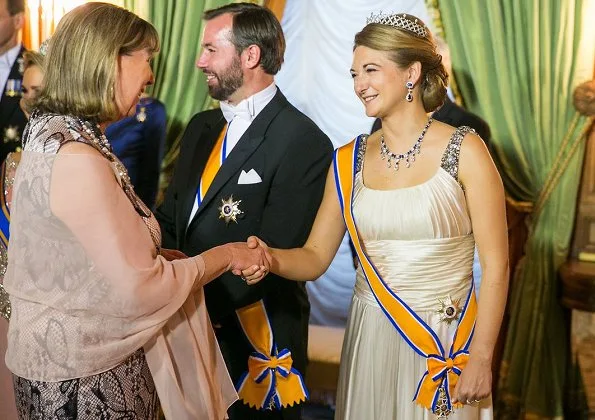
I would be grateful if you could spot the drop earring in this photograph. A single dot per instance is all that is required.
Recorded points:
(409, 86)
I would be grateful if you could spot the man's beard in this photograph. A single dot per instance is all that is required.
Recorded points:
(228, 81)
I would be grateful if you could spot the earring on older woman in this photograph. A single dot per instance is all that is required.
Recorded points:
(409, 86)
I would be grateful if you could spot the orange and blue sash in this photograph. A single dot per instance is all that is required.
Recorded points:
(438, 382)
(5, 212)
(271, 381)
(216, 159)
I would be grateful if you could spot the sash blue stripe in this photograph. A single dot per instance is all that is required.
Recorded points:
(463, 313)
(5, 213)
(4, 227)
(338, 183)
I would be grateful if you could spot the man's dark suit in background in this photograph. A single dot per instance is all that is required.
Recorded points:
(452, 114)
(12, 118)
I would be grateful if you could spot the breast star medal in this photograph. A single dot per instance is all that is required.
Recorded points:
(230, 210)
(449, 309)
(11, 134)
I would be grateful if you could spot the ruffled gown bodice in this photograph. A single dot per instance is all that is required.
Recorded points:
(417, 237)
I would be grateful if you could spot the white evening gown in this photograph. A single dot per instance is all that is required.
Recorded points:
(419, 238)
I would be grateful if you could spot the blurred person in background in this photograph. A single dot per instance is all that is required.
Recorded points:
(12, 118)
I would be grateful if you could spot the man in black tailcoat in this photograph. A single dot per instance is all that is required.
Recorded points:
(257, 166)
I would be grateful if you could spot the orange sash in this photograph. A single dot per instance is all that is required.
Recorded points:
(438, 382)
(271, 381)
(216, 159)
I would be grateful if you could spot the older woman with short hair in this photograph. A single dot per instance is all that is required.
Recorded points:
(104, 322)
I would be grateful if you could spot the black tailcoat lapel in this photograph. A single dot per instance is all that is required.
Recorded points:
(196, 164)
(245, 147)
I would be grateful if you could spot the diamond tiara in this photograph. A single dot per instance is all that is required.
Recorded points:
(400, 21)
(43, 48)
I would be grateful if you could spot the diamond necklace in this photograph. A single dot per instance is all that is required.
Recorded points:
(408, 156)
(102, 144)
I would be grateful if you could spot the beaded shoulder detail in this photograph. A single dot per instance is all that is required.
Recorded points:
(450, 158)
(362, 142)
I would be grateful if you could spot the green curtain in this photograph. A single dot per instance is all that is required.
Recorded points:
(516, 64)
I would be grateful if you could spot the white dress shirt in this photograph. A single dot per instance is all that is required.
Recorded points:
(239, 118)
(6, 62)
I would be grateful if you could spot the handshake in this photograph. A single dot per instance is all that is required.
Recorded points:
(251, 260)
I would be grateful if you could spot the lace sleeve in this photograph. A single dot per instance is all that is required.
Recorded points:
(86, 197)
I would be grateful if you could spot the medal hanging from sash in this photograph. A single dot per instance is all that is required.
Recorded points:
(216, 159)
(271, 381)
(438, 382)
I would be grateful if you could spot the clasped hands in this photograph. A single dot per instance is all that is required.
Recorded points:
(250, 260)
(254, 272)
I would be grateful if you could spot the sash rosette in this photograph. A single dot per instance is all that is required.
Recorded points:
(271, 381)
(443, 369)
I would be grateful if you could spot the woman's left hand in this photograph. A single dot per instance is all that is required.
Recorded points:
(475, 382)
(253, 275)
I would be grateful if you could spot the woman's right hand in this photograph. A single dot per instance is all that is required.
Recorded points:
(244, 257)
(253, 275)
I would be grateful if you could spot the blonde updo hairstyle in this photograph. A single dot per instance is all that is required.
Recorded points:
(31, 59)
(82, 60)
(405, 48)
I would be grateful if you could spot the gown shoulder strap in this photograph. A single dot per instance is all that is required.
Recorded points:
(450, 158)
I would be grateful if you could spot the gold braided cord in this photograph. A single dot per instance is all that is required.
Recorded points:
(561, 151)
(559, 168)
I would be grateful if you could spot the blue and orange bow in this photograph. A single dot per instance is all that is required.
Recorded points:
(271, 380)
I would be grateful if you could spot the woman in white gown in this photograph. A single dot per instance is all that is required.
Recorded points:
(415, 197)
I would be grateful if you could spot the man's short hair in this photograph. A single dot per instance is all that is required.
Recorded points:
(15, 6)
(255, 25)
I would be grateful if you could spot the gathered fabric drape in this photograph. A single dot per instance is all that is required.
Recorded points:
(517, 64)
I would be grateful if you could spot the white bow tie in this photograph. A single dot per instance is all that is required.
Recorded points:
(241, 110)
